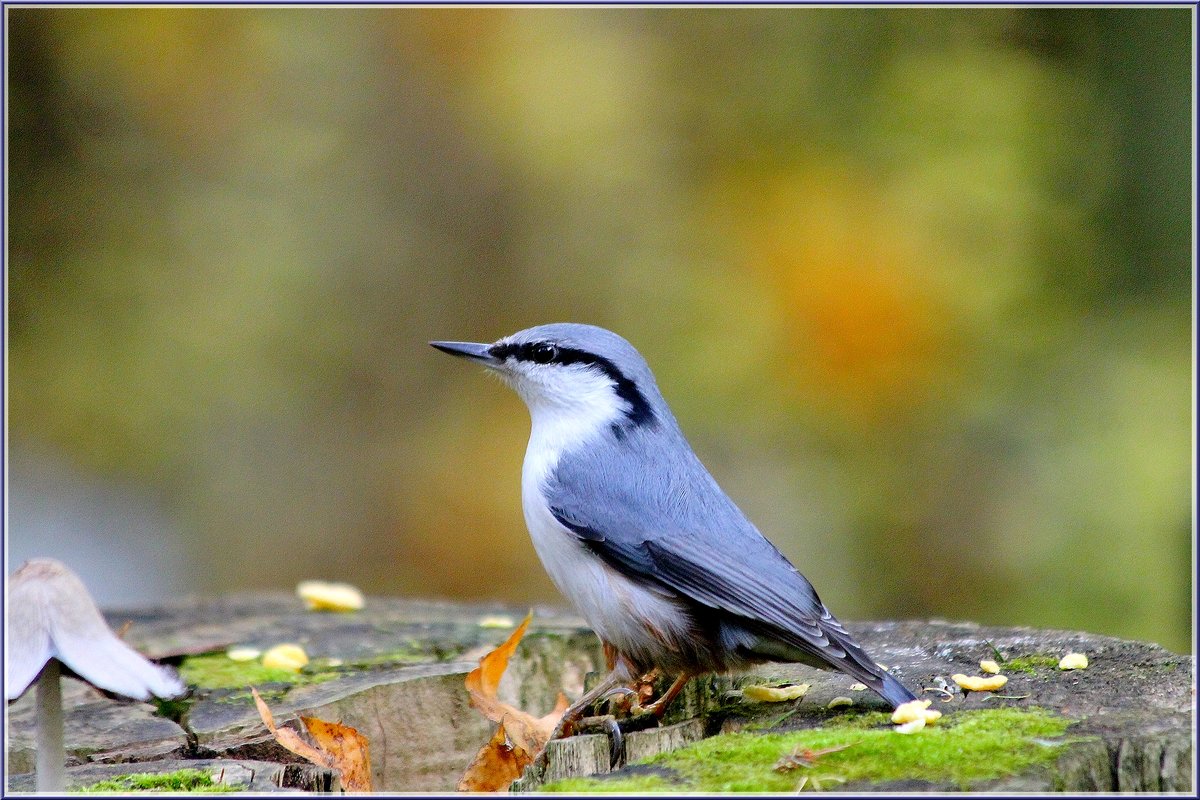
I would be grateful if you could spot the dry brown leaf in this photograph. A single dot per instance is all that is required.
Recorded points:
(348, 748)
(338, 747)
(806, 758)
(529, 732)
(521, 735)
(497, 764)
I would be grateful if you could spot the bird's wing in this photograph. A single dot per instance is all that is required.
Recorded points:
(658, 516)
(688, 537)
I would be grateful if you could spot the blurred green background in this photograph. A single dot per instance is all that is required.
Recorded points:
(917, 283)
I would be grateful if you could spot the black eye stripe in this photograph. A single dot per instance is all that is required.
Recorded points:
(639, 411)
(537, 352)
(543, 353)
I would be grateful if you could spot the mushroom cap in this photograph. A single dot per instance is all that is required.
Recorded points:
(52, 615)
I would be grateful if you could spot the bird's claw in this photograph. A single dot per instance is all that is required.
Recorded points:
(606, 724)
(625, 700)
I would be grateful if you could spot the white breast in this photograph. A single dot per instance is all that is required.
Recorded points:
(615, 607)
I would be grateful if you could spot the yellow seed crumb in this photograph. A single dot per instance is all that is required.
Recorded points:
(242, 653)
(496, 621)
(1073, 661)
(990, 667)
(911, 726)
(773, 694)
(858, 687)
(915, 710)
(326, 596)
(285, 656)
(839, 702)
(974, 683)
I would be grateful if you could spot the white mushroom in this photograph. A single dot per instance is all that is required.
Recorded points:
(51, 619)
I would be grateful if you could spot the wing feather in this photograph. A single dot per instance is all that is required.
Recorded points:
(650, 509)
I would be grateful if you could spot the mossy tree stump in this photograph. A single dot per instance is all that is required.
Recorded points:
(1122, 724)
(395, 672)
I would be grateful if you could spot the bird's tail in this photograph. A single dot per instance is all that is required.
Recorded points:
(893, 690)
(860, 665)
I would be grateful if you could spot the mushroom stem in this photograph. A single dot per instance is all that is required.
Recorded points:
(51, 753)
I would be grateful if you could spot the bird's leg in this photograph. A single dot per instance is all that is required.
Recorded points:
(659, 707)
(610, 655)
(572, 715)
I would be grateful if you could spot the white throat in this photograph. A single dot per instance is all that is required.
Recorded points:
(612, 604)
(562, 421)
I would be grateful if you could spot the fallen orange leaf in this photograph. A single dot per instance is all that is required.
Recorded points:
(338, 747)
(520, 737)
(497, 764)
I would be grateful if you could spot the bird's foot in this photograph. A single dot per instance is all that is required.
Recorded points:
(623, 701)
(606, 724)
(659, 707)
(566, 725)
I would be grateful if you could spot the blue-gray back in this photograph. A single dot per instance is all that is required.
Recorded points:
(645, 503)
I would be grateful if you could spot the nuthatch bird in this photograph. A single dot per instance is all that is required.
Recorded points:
(633, 529)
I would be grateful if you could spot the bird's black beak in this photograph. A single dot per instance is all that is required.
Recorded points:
(471, 350)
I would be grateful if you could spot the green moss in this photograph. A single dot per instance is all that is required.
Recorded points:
(184, 780)
(174, 710)
(395, 658)
(850, 719)
(1029, 664)
(218, 671)
(962, 748)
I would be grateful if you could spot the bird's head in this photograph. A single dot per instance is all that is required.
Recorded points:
(571, 368)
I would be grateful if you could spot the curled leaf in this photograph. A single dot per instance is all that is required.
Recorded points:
(806, 758)
(336, 746)
(520, 737)
(496, 765)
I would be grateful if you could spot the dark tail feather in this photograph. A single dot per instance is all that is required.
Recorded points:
(893, 691)
(860, 665)
(870, 673)
(836, 651)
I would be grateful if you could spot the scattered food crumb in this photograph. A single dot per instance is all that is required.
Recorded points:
(858, 687)
(285, 656)
(325, 596)
(839, 702)
(915, 710)
(774, 694)
(1073, 661)
(974, 683)
(989, 666)
(243, 653)
(912, 726)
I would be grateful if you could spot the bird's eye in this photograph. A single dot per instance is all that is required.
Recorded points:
(543, 353)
